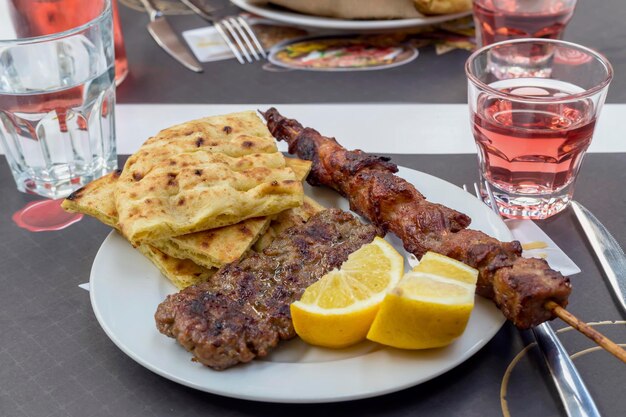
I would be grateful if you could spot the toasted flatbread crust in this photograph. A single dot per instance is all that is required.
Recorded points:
(181, 272)
(210, 249)
(201, 175)
(95, 199)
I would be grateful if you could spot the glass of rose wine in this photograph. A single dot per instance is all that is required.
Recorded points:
(501, 20)
(57, 94)
(532, 127)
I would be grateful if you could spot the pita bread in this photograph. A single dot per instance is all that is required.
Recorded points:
(209, 249)
(217, 247)
(229, 170)
(181, 272)
(95, 199)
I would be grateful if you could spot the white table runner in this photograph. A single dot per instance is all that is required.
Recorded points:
(378, 128)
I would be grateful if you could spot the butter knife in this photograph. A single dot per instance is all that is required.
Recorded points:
(607, 250)
(575, 397)
(162, 33)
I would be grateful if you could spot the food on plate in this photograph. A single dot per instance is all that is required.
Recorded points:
(203, 174)
(337, 310)
(443, 6)
(192, 258)
(429, 308)
(212, 248)
(181, 272)
(201, 190)
(437, 264)
(350, 9)
(520, 287)
(242, 312)
(217, 247)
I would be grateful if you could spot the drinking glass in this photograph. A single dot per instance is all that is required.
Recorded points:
(500, 20)
(532, 128)
(46, 17)
(57, 98)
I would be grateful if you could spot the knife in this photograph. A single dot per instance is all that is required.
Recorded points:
(167, 39)
(607, 250)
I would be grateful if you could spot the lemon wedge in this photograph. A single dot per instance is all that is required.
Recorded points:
(337, 311)
(429, 308)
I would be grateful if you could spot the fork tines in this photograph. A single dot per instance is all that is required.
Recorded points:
(241, 39)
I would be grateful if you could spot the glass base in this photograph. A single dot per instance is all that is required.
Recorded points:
(526, 206)
(60, 187)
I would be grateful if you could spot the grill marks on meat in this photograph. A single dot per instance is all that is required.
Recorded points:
(519, 287)
(369, 184)
(243, 311)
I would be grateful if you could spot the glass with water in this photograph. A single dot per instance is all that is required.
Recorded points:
(57, 96)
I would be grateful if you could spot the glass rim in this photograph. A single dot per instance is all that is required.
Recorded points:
(583, 94)
(62, 34)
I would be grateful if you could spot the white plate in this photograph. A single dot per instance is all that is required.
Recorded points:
(319, 22)
(126, 290)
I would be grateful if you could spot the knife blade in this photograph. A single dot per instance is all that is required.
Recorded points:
(607, 250)
(166, 38)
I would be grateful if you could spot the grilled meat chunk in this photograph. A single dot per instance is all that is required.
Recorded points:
(243, 311)
(519, 287)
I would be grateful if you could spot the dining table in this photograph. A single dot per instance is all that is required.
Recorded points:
(57, 361)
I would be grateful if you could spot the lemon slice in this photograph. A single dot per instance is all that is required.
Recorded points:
(429, 308)
(337, 310)
(434, 263)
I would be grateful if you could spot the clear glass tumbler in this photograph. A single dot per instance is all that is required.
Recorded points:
(500, 20)
(532, 128)
(57, 97)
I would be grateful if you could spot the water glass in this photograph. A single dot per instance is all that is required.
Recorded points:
(57, 97)
(532, 128)
(501, 20)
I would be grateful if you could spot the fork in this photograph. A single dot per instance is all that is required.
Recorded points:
(575, 396)
(234, 29)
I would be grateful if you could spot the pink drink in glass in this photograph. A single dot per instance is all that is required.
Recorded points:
(500, 20)
(532, 131)
(46, 17)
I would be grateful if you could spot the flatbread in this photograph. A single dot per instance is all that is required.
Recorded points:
(229, 170)
(210, 249)
(181, 272)
(287, 219)
(217, 247)
(96, 199)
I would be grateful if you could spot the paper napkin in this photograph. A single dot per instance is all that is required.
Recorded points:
(207, 45)
(529, 234)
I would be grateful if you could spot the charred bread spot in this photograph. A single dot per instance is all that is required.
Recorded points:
(198, 172)
(199, 142)
(76, 194)
(137, 176)
(247, 144)
(227, 129)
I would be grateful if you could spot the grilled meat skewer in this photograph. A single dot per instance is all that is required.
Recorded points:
(520, 287)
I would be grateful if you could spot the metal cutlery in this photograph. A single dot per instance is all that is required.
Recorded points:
(607, 250)
(162, 33)
(234, 29)
(575, 396)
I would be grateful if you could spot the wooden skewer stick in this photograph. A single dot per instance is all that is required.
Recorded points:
(603, 341)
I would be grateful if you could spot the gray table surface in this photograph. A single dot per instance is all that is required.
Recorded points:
(55, 360)
(157, 78)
